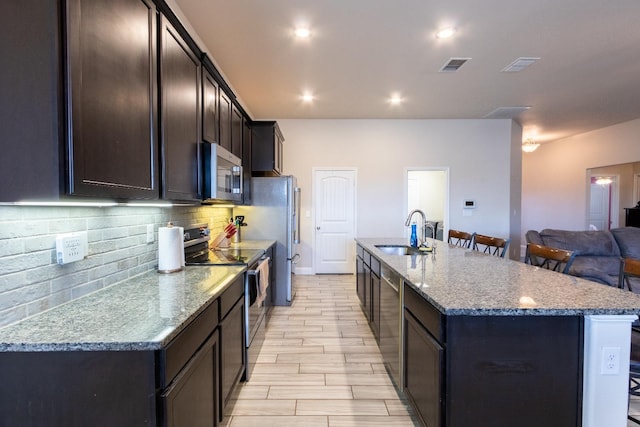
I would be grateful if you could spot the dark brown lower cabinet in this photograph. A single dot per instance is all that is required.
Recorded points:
(462, 370)
(77, 388)
(424, 363)
(232, 355)
(192, 398)
(185, 383)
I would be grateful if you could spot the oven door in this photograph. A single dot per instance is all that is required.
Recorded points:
(223, 179)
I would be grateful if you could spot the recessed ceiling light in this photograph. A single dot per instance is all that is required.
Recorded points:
(445, 33)
(395, 99)
(307, 97)
(302, 33)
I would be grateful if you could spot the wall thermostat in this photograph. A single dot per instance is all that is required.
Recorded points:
(469, 204)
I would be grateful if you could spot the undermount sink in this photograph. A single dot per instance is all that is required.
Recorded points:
(398, 249)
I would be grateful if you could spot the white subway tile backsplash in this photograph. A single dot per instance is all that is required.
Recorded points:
(30, 279)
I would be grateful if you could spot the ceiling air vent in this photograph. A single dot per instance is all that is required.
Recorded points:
(506, 112)
(453, 65)
(519, 64)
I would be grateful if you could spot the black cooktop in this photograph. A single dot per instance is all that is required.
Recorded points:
(230, 256)
(197, 252)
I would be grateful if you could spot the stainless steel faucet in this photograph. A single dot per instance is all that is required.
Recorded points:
(425, 225)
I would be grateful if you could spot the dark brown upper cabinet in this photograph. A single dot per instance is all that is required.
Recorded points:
(236, 131)
(31, 105)
(247, 138)
(111, 74)
(180, 117)
(267, 149)
(210, 117)
(224, 106)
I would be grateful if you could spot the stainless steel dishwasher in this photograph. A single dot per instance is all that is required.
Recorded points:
(391, 323)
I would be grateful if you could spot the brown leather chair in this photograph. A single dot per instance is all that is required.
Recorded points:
(491, 245)
(630, 268)
(550, 258)
(460, 238)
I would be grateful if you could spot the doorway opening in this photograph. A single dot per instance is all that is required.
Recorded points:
(428, 190)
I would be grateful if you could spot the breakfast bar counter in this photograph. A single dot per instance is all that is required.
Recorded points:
(466, 282)
(492, 341)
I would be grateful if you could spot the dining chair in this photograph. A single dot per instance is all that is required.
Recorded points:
(491, 245)
(630, 269)
(460, 238)
(554, 259)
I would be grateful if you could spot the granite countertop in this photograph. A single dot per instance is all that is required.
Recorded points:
(142, 313)
(464, 282)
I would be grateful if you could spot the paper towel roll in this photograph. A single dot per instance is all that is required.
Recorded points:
(170, 249)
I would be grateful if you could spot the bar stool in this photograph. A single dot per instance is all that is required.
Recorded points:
(550, 258)
(491, 245)
(460, 238)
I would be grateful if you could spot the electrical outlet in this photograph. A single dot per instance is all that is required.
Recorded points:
(610, 361)
(150, 235)
(71, 247)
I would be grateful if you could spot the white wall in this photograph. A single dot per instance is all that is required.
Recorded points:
(478, 154)
(554, 187)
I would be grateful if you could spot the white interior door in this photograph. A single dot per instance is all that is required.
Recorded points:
(599, 206)
(334, 214)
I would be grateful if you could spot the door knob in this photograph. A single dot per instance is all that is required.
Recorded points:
(317, 228)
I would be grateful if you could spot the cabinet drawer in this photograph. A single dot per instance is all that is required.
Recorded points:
(230, 296)
(360, 251)
(366, 257)
(182, 348)
(425, 313)
(375, 266)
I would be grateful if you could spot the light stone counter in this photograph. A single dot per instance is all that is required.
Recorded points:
(464, 282)
(142, 313)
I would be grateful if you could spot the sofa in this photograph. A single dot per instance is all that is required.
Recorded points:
(599, 252)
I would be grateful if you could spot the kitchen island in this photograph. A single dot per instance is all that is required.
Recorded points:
(491, 341)
(146, 351)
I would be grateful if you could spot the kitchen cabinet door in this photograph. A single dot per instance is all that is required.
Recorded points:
(210, 117)
(247, 141)
(360, 281)
(423, 372)
(180, 127)
(236, 131)
(32, 130)
(191, 399)
(267, 149)
(375, 298)
(224, 106)
(232, 352)
(111, 48)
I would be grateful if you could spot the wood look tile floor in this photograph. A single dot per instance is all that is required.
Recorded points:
(319, 366)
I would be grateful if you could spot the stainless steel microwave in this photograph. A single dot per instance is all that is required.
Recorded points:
(222, 175)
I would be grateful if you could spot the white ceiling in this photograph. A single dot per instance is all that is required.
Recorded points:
(362, 51)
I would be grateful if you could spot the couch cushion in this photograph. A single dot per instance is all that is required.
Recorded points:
(597, 243)
(533, 236)
(603, 268)
(628, 239)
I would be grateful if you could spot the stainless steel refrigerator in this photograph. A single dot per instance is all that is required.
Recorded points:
(275, 215)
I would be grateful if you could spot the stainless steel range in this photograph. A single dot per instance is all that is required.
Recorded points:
(198, 253)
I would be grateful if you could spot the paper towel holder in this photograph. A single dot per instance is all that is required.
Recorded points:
(170, 259)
